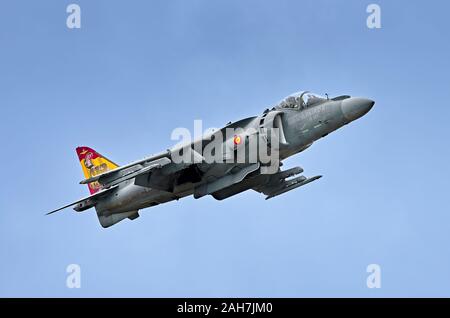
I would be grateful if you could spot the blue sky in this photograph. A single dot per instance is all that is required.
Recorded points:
(138, 69)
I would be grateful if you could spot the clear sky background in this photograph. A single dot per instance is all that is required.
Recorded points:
(138, 69)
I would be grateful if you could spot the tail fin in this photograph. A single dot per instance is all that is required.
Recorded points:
(93, 164)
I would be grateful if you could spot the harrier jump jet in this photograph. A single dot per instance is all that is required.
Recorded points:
(291, 126)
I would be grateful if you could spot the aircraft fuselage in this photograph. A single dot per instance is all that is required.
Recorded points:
(301, 128)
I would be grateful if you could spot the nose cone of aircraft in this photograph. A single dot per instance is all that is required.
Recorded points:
(355, 107)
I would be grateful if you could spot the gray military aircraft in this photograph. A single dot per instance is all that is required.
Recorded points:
(288, 128)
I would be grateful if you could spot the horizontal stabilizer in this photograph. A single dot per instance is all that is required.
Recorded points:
(85, 203)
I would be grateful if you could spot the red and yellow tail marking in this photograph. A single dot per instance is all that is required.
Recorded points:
(93, 164)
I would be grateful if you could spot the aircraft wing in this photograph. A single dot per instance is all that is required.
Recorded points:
(86, 202)
(143, 166)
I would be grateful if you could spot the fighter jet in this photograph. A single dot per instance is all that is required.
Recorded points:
(220, 164)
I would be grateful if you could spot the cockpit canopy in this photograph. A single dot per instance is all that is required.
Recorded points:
(301, 100)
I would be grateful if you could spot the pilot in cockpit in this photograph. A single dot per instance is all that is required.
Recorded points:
(300, 100)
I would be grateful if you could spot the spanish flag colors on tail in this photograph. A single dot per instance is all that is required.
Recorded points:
(93, 164)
